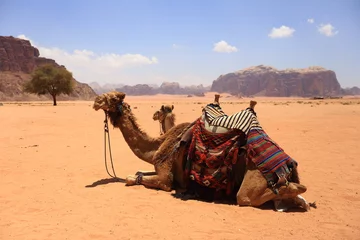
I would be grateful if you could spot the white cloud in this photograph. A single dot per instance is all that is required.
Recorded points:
(224, 47)
(327, 30)
(281, 32)
(88, 66)
(175, 46)
(310, 20)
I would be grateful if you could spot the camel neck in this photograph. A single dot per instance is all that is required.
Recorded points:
(141, 144)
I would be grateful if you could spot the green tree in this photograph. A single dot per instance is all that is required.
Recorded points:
(50, 79)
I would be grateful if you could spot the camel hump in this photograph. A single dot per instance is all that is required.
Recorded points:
(252, 104)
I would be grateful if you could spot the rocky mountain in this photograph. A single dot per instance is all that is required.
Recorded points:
(18, 58)
(351, 91)
(165, 88)
(268, 81)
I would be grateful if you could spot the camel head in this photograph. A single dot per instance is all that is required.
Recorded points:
(167, 108)
(113, 105)
(156, 115)
(160, 114)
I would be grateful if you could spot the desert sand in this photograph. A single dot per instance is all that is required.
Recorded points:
(52, 161)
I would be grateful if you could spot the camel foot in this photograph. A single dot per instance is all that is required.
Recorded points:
(283, 205)
(301, 202)
(130, 180)
(145, 173)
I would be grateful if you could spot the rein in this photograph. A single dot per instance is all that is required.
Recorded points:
(106, 132)
(161, 128)
(161, 124)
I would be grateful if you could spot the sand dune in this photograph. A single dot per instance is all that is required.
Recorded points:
(50, 154)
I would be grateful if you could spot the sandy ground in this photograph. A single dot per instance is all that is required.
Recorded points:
(48, 155)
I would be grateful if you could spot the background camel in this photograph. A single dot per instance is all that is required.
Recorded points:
(166, 118)
(168, 152)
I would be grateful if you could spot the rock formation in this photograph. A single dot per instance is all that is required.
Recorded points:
(100, 89)
(17, 60)
(267, 81)
(351, 91)
(165, 88)
(138, 90)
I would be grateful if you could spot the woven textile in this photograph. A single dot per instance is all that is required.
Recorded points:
(212, 155)
(268, 156)
(244, 120)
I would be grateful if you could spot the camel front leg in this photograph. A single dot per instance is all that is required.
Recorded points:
(162, 179)
(154, 181)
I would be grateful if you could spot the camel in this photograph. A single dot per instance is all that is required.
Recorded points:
(166, 118)
(168, 152)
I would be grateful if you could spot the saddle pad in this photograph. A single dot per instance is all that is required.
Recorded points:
(212, 128)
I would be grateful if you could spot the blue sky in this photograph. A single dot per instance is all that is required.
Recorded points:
(191, 42)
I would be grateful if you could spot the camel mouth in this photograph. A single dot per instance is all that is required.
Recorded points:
(109, 101)
(156, 115)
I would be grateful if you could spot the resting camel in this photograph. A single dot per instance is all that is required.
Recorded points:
(166, 118)
(168, 154)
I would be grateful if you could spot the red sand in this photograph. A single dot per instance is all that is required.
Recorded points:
(49, 154)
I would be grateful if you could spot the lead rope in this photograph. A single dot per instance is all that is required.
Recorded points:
(161, 130)
(106, 131)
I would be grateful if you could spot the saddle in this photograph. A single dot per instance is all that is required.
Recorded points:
(214, 150)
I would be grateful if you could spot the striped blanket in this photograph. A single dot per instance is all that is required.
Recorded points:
(244, 120)
(268, 156)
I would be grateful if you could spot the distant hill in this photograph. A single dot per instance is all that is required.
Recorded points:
(105, 88)
(351, 91)
(18, 58)
(253, 81)
(165, 88)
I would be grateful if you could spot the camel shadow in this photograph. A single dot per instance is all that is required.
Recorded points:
(105, 181)
(207, 198)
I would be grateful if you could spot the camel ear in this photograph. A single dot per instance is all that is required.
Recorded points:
(172, 107)
(162, 108)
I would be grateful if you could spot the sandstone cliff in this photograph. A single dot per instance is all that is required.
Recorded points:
(17, 60)
(268, 81)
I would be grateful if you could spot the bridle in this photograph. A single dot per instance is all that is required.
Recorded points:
(119, 108)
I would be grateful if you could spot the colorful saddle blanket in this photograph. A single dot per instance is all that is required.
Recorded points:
(269, 157)
(211, 156)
